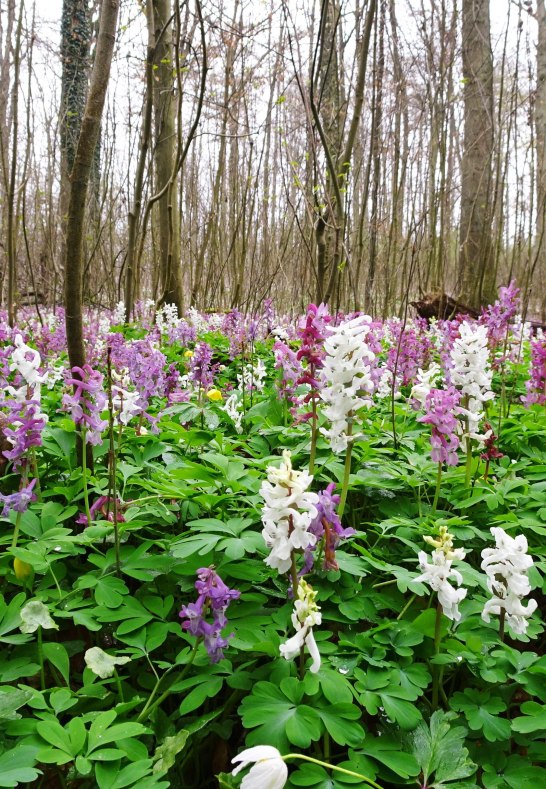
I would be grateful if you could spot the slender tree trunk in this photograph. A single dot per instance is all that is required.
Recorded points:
(79, 179)
(540, 137)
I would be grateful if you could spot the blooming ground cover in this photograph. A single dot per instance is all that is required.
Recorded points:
(264, 551)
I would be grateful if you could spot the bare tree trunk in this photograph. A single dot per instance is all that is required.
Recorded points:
(79, 179)
(165, 148)
(476, 264)
(539, 262)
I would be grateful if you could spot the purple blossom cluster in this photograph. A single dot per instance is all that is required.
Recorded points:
(441, 409)
(18, 501)
(286, 360)
(26, 423)
(214, 597)
(409, 350)
(497, 316)
(327, 529)
(201, 369)
(312, 334)
(536, 385)
(87, 402)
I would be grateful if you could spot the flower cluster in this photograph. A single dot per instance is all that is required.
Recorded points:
(27, 422)
(536, 385)
(497, 316)
(87, 402)
(441, 407)
(201, 372)
(471, 375)
(346, 378)
(438, 572)
(506, 566)
(305, 616)
(327, 529)
(287, 362)
(288, 512)
(214, 597)
(18, 501)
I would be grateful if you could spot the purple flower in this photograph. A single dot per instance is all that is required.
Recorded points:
(103, 505)
(286, 361)
(497, 316)
(214, 598)
(442, 406)
(327, 529)
(201, 371)
(536, 385)
(19, 501)
(409, 351)
(27, 423)
(87, 402)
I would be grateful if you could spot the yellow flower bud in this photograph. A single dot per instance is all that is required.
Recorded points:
(21, 569)
(188, 354)
(215, 395)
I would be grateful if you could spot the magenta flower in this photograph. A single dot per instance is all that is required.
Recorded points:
(497, 316)
(87, 402)
(201, 371)
(286, 361)
(105, 507)
(214, 597)
(442, 407)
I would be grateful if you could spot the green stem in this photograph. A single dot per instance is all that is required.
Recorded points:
(502, 620)
(468, 468)
(437, 491)
(435, 671)
(149, 707)
(84, 474)
(331, 767)
(313, 433)
(405, 608)
(120, 689)
(41, 658)
(16, 529)
(346, 471)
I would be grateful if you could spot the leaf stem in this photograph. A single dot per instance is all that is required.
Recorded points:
(331, 767)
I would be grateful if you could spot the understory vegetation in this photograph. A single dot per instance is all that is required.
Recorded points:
(321, 534)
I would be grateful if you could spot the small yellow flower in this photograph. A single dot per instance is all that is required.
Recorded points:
(21, 569)
(188, 354)
(215, 395)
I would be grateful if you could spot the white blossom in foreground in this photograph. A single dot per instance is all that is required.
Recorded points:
(288, 511)
(101, 663)
(35, 614)
(269, 771)
(26, 361)
(253, 376)
(506, 566)
(438, 572)
(347, 383)
(471, 374)
(305, 616)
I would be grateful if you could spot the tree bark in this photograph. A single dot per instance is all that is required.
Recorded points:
(476, 263)
(79, 179)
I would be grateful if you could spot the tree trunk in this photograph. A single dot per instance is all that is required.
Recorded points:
(79, 179)
(476, 263)
(539, 262)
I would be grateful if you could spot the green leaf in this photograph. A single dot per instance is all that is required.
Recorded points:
(17, 766)
(55, 734)
(209, 687)
(57, 655)
(166, 753)
(533, 720)
(480, 710)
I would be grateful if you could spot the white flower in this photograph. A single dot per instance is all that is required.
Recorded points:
(125, 404)
(253, 376)
(437, 575)
(346, 378)
(268, 772)
(506, 566)
(425, 381)
(305, 616)
(26, 361)
(118, 315)
(233, 408)
(102, 664)
(35, 614)
(471, 374)
(288, 511)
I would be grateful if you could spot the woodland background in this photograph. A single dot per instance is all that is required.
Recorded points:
(359, 152)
